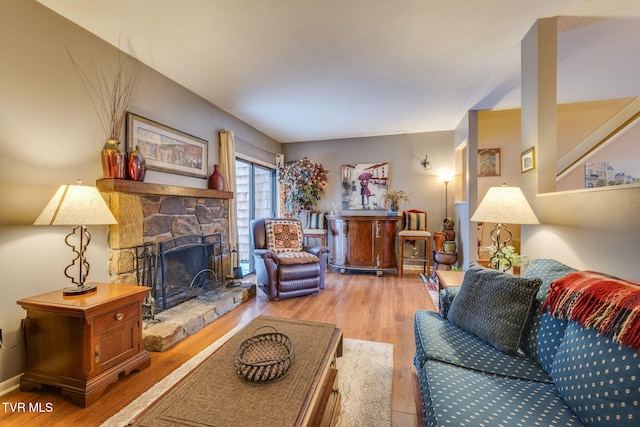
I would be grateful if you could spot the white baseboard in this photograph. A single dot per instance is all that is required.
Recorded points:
(10, 385)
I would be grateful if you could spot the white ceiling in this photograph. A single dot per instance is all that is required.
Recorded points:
(301, 70)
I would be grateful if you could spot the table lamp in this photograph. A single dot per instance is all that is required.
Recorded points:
(503, 205)
(79, 206)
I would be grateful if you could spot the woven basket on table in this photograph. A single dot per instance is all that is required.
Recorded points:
(264, 357)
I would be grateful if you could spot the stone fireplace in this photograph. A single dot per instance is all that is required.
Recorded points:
(155, 215)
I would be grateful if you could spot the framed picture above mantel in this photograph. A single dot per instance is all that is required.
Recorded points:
(166, 149)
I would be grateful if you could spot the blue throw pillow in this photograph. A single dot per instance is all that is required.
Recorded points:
(597, 378)
(494, 306)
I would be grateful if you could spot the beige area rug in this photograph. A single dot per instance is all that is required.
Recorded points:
(365, 373)
(366, 370)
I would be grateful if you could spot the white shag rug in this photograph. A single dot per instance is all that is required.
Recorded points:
(365, 374)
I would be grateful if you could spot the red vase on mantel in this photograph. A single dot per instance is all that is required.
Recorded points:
(114, 161)
(137, 165)
(216, 180)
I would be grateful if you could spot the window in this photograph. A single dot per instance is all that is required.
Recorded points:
(255, 198)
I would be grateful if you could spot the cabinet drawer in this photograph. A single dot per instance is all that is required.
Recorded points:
(116, 317)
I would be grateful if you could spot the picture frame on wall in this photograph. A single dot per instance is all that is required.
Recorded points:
(489, 162)
(363, 185)
(528, 160)
(166, 149)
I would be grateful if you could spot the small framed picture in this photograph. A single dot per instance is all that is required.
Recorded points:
(489, 162)
(528, 160)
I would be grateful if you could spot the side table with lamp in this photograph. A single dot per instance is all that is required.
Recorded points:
(82, 338)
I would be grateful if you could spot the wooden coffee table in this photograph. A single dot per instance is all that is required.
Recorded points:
(308, 395)
(322, 406)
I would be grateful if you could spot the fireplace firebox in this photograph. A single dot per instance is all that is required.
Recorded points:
(179, 269)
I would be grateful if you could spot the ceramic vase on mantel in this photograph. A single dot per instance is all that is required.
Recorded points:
(114, 161)
(137, 165)
(216, 180)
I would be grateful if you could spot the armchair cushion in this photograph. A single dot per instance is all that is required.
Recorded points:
(301, 257)
(283, 236)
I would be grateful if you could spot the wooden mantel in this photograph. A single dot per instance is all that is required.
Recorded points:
(137, 187)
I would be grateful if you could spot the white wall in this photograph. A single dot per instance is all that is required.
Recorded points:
(588, 229)
(50, 135)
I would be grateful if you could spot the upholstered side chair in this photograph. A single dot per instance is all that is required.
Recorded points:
(284, 267)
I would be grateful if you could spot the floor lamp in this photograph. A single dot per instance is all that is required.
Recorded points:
(503, 205)
(446, 177)
(77, 205)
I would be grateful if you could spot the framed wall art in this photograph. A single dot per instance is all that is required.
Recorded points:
(528, 160)
(167, 149)
(489, 162)
(364, 184)
(605, 174)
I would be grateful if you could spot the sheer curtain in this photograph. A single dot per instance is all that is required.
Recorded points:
(228, 170)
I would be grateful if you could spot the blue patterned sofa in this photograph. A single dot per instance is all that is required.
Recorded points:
(474, 370)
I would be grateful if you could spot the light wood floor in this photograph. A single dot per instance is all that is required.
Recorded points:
(366, 307)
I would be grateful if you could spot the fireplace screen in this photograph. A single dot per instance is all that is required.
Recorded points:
(179, 269)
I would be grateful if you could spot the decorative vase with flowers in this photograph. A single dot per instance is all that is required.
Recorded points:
(302, 183)
(111, 97)
(393, 198)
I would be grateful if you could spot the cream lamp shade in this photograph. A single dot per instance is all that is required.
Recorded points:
(79, 206)
(505, 205)
(76, 205)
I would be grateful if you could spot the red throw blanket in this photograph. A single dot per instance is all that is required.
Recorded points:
(596, 300)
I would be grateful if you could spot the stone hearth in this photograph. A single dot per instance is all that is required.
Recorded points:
(174, 324)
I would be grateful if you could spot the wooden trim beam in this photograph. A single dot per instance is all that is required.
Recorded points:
(137, 187)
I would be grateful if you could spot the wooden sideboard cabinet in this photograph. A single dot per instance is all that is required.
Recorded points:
(366, 243)
(82, 343)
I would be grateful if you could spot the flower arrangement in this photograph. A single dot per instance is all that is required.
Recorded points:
(393, 198)
(303, 182)
(507, 257)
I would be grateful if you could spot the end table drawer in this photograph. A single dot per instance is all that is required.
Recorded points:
(116, 317)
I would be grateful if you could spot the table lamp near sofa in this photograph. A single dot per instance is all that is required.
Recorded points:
(79, 206)
(503, 205)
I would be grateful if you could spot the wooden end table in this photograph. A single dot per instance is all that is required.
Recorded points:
(82, 343)
(449, 278)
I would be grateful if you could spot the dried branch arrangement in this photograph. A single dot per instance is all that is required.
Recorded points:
(110, 97)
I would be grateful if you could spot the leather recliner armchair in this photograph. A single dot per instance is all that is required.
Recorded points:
(282, 280)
